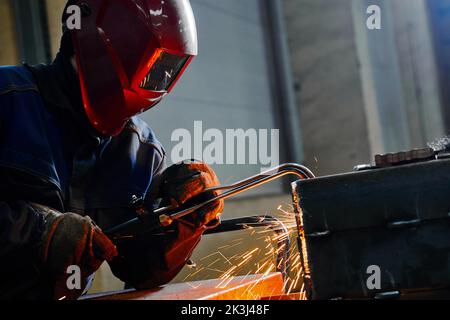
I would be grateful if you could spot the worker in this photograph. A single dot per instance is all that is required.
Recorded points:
(74, 154)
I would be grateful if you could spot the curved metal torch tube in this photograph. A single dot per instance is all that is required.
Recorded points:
(239, 187)
(275, 225)
(284, 169)
(165, 216)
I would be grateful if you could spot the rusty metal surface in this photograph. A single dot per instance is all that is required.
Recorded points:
(252, 287)
(392, 159)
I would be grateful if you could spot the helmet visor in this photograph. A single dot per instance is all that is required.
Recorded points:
(164, 70)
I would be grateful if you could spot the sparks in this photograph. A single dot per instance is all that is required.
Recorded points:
(260, 259)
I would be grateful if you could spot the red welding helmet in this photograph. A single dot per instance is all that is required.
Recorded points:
(130, 54)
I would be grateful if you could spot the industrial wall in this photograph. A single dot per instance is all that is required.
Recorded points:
(328, 84)
(360, 91)
(399, 76)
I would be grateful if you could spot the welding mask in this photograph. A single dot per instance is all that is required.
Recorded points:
(130, 54)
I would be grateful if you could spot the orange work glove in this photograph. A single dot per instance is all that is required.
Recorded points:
(182, 182)
(70, 239)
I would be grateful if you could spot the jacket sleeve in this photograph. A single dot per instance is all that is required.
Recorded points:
(20, 231)
(21, 228)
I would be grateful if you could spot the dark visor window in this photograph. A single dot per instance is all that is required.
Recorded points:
(163, 72)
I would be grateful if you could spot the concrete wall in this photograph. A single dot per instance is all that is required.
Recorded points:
(360, 91)
(418, 71)
(329, 93)
(8, 44)
(399, 76)
(381, 78)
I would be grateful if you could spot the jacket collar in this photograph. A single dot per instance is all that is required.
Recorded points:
(59, 86)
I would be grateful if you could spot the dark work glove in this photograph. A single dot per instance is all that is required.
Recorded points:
(70, 239)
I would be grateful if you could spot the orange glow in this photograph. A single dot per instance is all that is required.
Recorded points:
(158, 53)
(260, 260)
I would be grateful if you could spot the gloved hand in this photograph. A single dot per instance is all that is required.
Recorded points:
(71, 239)
(182, 182)
(148, 260)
